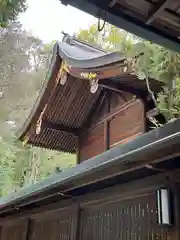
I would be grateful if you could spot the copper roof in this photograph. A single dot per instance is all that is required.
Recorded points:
(155, 20)
(62, 110)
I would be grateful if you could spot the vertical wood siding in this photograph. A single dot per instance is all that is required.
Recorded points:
(61, 225)
(92, 142)
(134, 219)
(14, 231)
(126, 123)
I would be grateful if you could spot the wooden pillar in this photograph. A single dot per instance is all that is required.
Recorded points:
(29, 229)
(78, 151)
(106, 135)
(106, 124)
(78, 223)
(176, 212)
(1, 232)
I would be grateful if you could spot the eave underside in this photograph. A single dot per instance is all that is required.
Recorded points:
(158, 21)
(71, 108)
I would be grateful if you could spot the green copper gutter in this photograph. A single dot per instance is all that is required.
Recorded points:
(135, 150)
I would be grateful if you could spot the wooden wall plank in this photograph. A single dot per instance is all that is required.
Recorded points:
(134, 218)
(56, 225)
(14, 230)
(125, 123)
(130, 206)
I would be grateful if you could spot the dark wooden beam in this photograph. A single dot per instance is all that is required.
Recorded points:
(78, 223)
(106, 135)
(119, 87)
(112, 3)
(106, 124)
(157, 10)
(78, 152)
(176, 199)
(29, 229)
(1, 232)
(37, 213)
(59, 127)
(115, 90)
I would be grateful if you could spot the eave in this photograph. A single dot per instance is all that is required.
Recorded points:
(131, 22)
(160, 145)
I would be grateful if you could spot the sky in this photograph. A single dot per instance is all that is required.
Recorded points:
(46, 19)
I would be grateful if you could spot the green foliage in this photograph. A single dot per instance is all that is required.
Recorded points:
(9, 10)
(163, 101)
(153, 61)
(110, 39)
(23, 66)
(91, 36)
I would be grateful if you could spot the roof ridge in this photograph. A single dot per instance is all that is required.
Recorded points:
(69, 39)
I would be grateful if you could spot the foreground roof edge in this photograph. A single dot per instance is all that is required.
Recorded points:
(134, 151)
(125, 22)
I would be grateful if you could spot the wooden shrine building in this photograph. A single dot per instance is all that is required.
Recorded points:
(126, 184)
(91, 102)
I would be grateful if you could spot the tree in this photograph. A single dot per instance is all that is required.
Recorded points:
(9, 10)
(154, 61)
(40, 53)
(23, 66)
(161, 64)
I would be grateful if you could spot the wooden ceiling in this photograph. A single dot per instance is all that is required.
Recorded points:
(155, 20)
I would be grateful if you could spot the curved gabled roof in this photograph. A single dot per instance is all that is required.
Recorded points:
(80, 55)
(61, 111)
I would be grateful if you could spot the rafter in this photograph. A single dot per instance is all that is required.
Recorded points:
(59, 127)
(119, 87)
(129, 22)
(112, 3)
(115, 89)
(157, 10)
